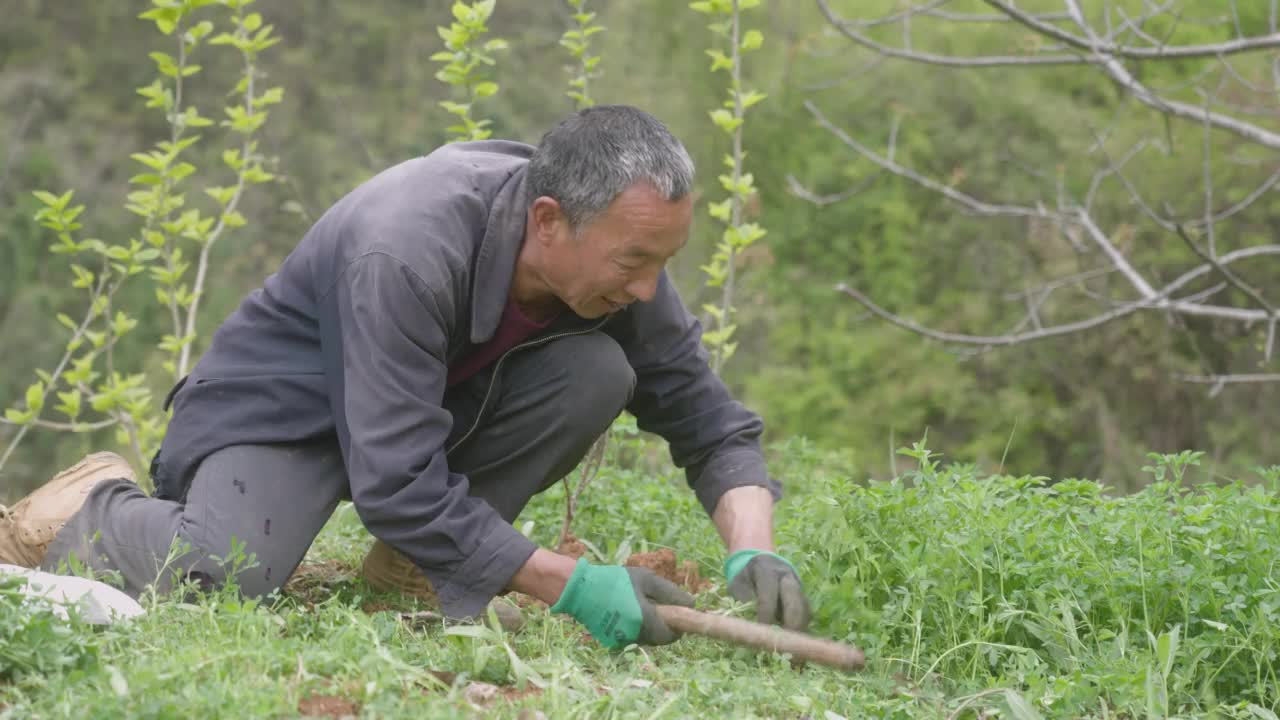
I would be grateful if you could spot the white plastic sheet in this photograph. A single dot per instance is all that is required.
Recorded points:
(98, 603)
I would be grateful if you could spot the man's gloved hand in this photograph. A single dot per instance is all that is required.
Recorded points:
(773, 583)
(616, 604)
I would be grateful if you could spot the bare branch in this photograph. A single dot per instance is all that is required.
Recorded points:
(1159, 302)
(1113, 168)
(1096, 52)
(1235, 18)
(1205, 294)
(1260, 89)
(1240, 378)
(1077, 216)
(1135, 24)
(847, 29)
(1093, 47)
(993, 340)
(1221, 381)
(1164, 223)
(898, 17)
(1116, 257)
(1144, 95)
(1222, 270)
(1241, 254)
(1059, 283)
(64, 426)
(1206, 171)
(796, 188)
(951, 193)
(930, 9)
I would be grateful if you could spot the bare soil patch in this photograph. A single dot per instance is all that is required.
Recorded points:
(662, 562)
(331, 706)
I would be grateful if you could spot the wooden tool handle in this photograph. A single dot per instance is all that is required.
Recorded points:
(763, 637)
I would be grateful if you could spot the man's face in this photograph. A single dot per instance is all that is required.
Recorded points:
(616, 258)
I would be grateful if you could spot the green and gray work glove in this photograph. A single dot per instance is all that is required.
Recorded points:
(616, 604)
(773, 583)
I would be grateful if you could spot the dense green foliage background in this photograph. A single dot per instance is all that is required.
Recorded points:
(360, 95)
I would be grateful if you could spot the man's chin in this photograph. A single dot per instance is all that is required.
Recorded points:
(594, 311)
(598, 309)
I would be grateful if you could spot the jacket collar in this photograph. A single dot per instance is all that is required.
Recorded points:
(496, 260)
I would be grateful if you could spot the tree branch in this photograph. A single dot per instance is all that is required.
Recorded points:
(1077, 216)
(968, 201)
(930, 9)
(795, 187)
(68, 427)
(844, 26)
(1229, 276)
(1092, 47)
(1144, 95)
(993, 340)
(1223, 379)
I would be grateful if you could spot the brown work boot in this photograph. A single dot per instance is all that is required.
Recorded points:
(388, 570)
(26, 529)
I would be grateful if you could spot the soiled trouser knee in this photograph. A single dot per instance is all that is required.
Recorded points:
(551, 404)
(252, 511)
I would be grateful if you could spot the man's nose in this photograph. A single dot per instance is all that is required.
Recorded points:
(643, 288)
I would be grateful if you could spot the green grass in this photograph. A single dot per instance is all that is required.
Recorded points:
(974, 596)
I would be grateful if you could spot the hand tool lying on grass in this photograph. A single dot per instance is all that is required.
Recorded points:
(764, 637)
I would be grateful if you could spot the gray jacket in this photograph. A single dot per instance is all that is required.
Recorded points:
(351, 339)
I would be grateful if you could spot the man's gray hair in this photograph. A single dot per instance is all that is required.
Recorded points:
(592, 156)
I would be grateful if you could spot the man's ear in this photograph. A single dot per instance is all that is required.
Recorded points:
(547, 219)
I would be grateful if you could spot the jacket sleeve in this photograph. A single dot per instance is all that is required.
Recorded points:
(385, 338)
(711, 435)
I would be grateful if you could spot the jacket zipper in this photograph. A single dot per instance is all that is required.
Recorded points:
(493, 378)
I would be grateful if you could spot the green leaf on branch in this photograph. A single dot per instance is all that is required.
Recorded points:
(752, 40)
(721, 210)
(46, 197)
(719, 61)
(222, 194)
(750, 98)
(35, 397)
(725, 120)
(70, 405)
(181, 171)
(165, 18)
(165, 64)
(270, 97)
(84, 278)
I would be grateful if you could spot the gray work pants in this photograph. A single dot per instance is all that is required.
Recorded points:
(273, 499)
